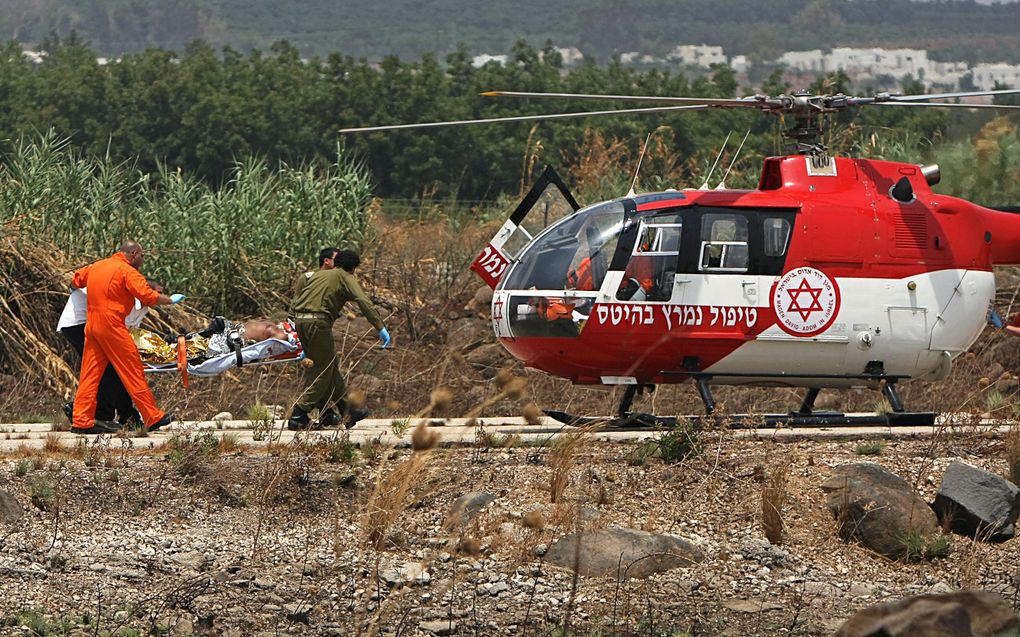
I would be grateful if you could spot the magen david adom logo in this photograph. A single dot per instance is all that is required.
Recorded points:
(806, 302)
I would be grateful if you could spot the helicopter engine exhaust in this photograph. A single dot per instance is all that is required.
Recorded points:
(932, 174)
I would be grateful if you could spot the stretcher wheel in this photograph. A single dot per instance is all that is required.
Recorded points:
(182, 359)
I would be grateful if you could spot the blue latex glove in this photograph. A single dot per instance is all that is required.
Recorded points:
(177, 298)
(995, 320)
(384, 336)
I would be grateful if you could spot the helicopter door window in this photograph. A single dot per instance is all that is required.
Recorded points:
(652, 267)
(777, 235)
(723, 243)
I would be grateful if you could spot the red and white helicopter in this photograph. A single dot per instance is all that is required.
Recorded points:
(834, 272)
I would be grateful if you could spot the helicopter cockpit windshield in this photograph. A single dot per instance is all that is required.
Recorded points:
(573, 254)
(562, 271)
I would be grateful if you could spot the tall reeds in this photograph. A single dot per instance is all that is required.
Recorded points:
(233, 248)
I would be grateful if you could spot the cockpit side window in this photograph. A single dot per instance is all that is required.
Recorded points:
(723, 243)
(652, 267)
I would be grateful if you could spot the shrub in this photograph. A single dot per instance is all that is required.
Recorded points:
(42, 491)
(917, 546)
(869, 449)
(681, 442)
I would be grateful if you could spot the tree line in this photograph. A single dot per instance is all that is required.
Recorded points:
(962, 29)
(203, 110)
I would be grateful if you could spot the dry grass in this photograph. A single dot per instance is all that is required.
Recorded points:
(423, 438)
(1013, 452)
(390, 494)
(773, 497)
(533, 520)
(230, 442)
(561, 462)
(53, 444)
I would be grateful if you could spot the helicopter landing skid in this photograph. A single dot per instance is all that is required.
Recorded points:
(638, 421)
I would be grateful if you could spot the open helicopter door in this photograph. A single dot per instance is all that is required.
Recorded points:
(513, 235)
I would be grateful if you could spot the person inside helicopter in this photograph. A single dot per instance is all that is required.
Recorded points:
(642, 280)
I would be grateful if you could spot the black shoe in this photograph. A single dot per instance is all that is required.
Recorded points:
(298, 420)
(327, 420)
(131, 421)
(218, 325)
(69, 411)
(162, 422)
(99, 427)
(353, 416)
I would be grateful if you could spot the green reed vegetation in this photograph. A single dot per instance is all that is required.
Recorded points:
(233, 248)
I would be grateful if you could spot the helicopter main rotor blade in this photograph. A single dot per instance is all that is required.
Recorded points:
(945, 96)
(523, 118)
(944, 105)
(754, 102)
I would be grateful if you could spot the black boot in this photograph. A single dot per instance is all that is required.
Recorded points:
(167, 419)
(131, 420)
(353, 416)
(218, 325)
(298, 420)
(328, 419)
(98, 427)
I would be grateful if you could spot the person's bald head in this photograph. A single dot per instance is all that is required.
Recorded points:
(133, 251)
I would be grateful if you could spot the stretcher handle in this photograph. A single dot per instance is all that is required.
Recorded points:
(182, 359)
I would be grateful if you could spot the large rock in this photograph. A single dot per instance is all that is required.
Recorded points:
(977, 503)
(10, 508)
(399, 574)
(629, 552)
(468, 506)
(481, 302)
(877, 508)
(468, 334)
(960, 614)
(489, 356)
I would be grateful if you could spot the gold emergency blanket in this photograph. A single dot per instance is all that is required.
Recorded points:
(153, 349)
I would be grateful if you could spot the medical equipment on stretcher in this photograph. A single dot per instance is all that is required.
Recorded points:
(189, 355)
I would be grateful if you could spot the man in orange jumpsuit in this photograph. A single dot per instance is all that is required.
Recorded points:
(114, 284)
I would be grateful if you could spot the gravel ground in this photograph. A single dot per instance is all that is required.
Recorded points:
(328, 540)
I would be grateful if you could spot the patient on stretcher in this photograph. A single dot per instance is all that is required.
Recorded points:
(221, 337)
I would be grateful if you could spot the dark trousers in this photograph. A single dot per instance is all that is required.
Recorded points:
(113, 401)
(324, 383)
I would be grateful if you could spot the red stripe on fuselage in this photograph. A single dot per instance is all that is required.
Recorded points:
(643, 341)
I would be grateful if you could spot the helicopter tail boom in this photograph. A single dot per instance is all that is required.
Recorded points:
(1002, 234)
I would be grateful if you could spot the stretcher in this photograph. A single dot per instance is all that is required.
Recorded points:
(267, 352)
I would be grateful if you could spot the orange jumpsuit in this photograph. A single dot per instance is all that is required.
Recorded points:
(581, 278)
(642, 269)
(113, 285)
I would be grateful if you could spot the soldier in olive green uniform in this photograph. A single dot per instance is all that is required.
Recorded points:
(318, 303)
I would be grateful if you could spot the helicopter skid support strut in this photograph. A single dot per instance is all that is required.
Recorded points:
(805, 416)
(638, 421)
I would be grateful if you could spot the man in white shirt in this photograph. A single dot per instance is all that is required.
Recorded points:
(113, 402)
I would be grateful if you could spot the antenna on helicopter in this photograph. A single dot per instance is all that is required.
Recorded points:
(704, 186)
(722, 182)
(641, 157)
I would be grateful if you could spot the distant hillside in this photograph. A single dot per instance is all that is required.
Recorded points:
(950, 29)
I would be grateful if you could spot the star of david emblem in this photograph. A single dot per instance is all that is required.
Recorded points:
(795, 300)
(497, 310)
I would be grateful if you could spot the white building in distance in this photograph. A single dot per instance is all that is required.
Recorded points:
(984, 76)
(701, 55)
(871, 64)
